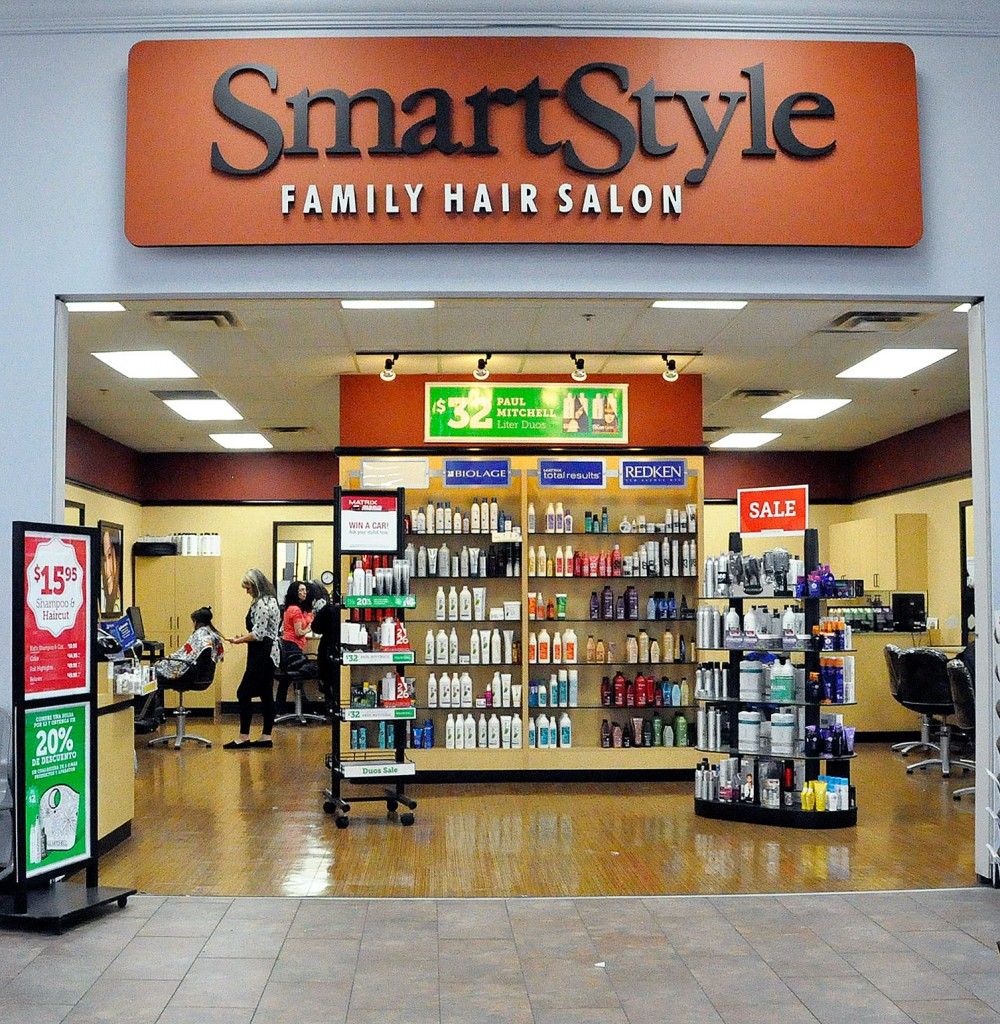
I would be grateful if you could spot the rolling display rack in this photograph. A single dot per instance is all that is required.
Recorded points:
(788, 817)
(360, 766)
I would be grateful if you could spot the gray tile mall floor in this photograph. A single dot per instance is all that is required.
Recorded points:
(927, 957)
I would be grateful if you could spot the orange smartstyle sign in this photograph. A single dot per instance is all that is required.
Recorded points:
(773, 510)
(386, 140)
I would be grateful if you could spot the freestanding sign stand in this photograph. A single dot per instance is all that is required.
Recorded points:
(54, 712)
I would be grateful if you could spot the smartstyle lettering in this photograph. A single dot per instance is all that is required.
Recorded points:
(631, 125)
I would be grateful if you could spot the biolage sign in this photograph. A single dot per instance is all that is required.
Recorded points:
(703, 141)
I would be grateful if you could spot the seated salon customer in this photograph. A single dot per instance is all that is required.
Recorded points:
(205, 637)
(263, 625)
(296, 619)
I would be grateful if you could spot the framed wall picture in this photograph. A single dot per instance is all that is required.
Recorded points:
(111, 604)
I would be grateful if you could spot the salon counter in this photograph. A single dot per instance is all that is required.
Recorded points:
(877, 710)
(115, 768)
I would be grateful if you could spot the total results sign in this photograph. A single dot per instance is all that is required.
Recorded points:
(513, 139)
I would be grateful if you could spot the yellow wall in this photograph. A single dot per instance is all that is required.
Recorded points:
(938, 502)
(114, 510)
(246, 533)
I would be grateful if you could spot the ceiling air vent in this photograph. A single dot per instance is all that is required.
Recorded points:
(871, 322)
(752, 394)
(196, 319)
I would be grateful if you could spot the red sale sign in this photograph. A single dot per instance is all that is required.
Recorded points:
(773, 510)
(57, 596)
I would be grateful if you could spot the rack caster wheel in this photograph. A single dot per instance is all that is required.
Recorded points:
(329, 806)
(346, 808)
(342, 822)
(122, 901)
(406, 819)
(391, 805)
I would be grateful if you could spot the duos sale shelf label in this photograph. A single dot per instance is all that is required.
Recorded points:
(526, 413)
(57, 596)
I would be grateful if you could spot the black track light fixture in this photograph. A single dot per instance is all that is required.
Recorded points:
(670, 373)
(388, 374)
(482, 370)
(579, 373)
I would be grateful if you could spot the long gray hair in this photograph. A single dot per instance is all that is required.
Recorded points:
(259, 584)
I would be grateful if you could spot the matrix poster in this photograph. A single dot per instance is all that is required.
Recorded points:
(57, 596)
(56, 787)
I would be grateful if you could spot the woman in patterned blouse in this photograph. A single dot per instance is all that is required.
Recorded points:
(263, 625)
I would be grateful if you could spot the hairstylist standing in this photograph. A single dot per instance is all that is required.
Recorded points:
(263, 627)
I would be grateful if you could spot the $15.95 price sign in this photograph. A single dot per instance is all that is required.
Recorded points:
(526, 413)
(57, 595)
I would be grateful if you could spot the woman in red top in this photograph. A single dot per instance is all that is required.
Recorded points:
(297, 616)
(296, 619)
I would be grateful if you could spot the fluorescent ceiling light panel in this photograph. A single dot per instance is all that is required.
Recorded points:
(202, 408)
(964, 307)
(744, 440)
(95, 307)
(896, 363)
(387, 303)
(241, 441)
(805, 408)
(699, 304)
(156, 365)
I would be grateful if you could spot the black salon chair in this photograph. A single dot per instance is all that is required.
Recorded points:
(924, 688)
(963, 696)
(194, 678)
(294, 670)
(892, 653)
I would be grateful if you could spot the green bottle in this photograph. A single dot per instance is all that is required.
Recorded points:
(681, 730)
(657, 731)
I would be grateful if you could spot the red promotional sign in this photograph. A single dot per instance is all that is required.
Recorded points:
(57, 599)
(774, 510)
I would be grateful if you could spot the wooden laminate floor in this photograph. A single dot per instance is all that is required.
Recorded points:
(251, 823)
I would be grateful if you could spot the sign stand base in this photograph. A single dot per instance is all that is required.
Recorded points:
(59, 906)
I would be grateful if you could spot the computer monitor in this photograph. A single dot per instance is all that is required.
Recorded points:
(136, 616)
(909, 612)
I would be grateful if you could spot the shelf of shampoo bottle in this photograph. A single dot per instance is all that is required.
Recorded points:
(660, 534)
(606, 622)
(495, 666)
(612, 664)
(823, 706)
(777, 756)
(777, 650)
(651, 577)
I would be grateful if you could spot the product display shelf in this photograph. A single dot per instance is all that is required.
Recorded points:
(779, 703)
(776, 650)
(585, 753)
(370, 764)
(786, 817)
(778, 757)
(754, 813)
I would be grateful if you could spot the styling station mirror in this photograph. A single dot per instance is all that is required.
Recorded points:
(301, 551)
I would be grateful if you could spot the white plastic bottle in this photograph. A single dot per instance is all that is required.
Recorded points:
(444, 691)
(543, 732)
(570, 651)
(449, 732)
(460, 733)
(532, 522)
(493, 731)
(560, 563)
(453, 647)
(470, 732)
(544, 655)
(474, 656)
(429, 648)
(550, 518)
(441, 648)
(482, 732)
(432, 691)
(559, 524)
(494, 515)
(532, 733)
(452, 605)
(532, 561)
(465, 605)
(565, 731)
(466, 690)
(484, 516)
(496, 648)
(440, 605)
(474, 520)
(557, 648)
(515, 733)
(505, 731)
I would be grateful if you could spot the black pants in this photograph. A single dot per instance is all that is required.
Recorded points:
(258, 681)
